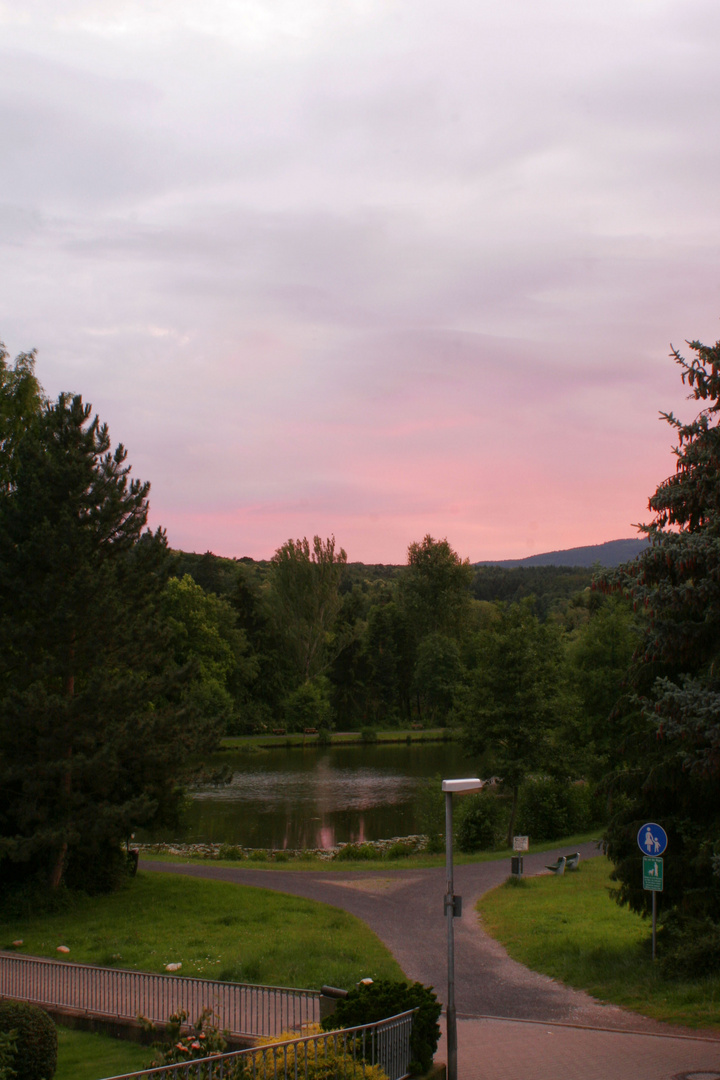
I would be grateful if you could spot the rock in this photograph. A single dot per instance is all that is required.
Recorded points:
(18, 943)
(63, 948)
(173, 967)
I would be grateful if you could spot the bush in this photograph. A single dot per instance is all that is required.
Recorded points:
(230, 852)
(689, 948)
(368, 735)
(481, 826)
(551, 808)
(355, 851)
(8, 1042)
(400, 850)
(36, 1042)
(383, 999)
(324, 1061)
(205, 1039)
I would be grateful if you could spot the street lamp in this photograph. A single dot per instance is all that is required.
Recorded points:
(453, 909)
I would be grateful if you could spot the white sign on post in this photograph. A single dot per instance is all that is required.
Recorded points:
(521, 843)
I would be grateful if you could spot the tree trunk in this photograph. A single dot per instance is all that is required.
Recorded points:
(513, 815)
(56, 874)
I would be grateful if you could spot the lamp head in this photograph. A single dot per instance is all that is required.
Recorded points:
(457, 787)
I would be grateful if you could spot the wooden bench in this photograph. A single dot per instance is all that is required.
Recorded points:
(278, 731)
(310, 731)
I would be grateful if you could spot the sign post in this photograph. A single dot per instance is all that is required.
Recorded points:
(652, 839)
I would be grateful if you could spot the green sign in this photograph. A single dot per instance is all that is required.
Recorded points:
(653, 873)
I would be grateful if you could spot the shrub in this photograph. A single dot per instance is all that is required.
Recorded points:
(355, 851)
(368, 735)
(551, 808)
(203, 1040)
(689, 948)
(36, 1042)
(230, 852)
(482, 823)
(8, 1042)
(399, 850)
(383, 999)
(322, 1061)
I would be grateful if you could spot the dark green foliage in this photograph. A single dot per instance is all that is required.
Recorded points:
(667, 763)
(548, 586)
(482, 822)
(399, 850)
(517, 705)
(309, 705)
(551, 808)
(36, 1043)
(355, 851)
(8, 1043)
(690, 948)
(94, 720)
(383, 999)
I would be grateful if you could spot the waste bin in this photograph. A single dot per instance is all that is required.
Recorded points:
(516, 865)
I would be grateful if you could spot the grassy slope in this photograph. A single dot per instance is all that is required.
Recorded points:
(216, 930)
(570, 929)
(85, 1056)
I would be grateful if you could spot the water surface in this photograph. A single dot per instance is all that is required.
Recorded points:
(317, 797)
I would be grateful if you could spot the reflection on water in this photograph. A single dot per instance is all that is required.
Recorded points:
(318, 797)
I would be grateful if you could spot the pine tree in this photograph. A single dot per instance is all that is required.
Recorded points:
(91, 726)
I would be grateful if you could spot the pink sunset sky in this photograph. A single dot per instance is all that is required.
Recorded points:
(370, 268)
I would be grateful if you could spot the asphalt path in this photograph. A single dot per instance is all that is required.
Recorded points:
(405, 909)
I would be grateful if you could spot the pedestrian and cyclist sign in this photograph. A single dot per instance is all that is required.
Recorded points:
(653, 873)
(652, 839)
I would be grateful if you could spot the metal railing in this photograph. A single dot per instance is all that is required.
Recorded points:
(346, 1053)
(239, 1008)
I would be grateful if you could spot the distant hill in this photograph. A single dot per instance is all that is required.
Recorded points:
(611, 553)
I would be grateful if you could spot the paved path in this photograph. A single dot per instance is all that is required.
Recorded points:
(493, 992)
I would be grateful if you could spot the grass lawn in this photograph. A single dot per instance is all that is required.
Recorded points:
(421, 861)
(570, 929)
(83, 1055)
(215, 929)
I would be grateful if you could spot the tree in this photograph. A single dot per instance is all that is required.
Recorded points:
(21, 399)
(667, 762)
(202, 631)
(305, 601)
(93, 735)
(435, 589)
(517, 706)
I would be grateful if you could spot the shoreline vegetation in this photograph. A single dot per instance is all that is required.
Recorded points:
(323, 739)
(404, 851)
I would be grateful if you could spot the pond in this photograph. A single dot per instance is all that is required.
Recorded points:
(317, 797)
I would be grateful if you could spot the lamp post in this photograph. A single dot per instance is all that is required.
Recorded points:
(453, 909)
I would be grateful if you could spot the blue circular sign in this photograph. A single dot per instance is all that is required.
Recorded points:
(652, 838)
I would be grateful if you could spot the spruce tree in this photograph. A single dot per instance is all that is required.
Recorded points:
(667, 763)
(92, 737)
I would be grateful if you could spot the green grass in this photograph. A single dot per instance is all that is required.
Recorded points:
(569, 928)
(421, 861)
(83, 1055)
(215, 929)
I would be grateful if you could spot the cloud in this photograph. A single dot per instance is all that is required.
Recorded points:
(375, 269)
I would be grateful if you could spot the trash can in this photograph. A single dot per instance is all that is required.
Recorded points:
(516, 865)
